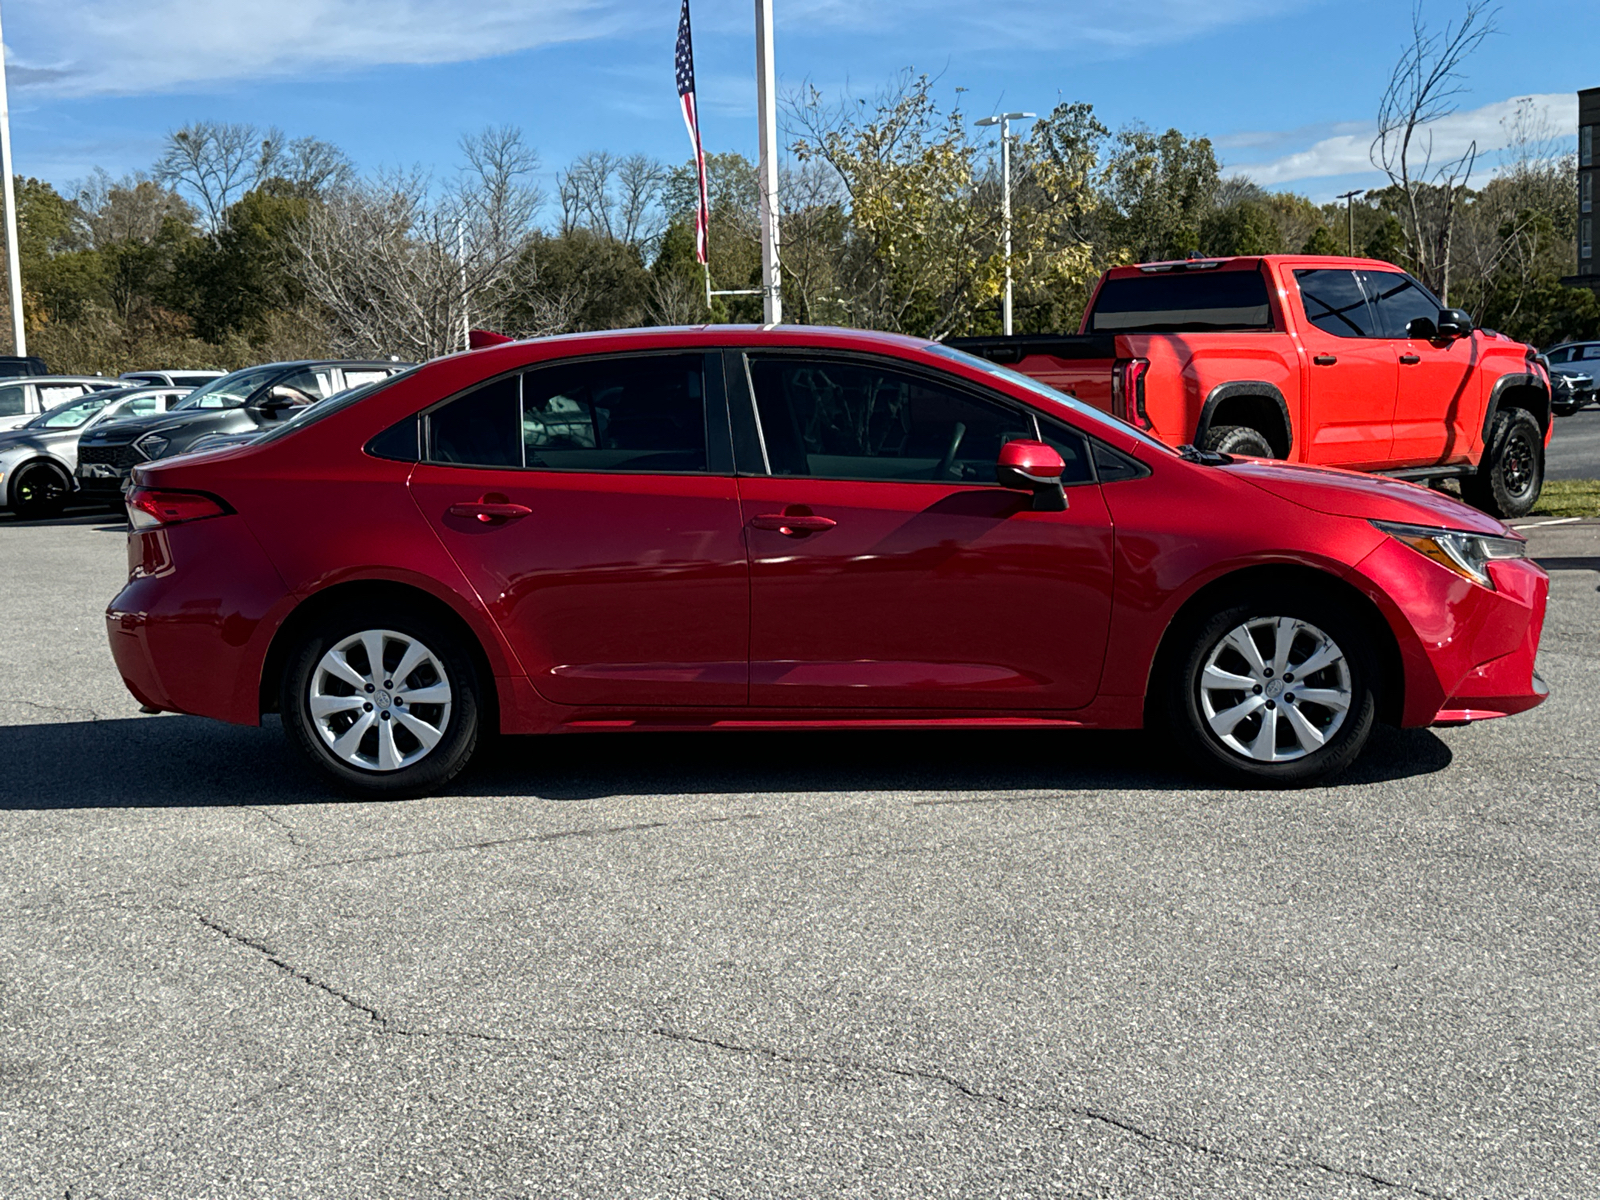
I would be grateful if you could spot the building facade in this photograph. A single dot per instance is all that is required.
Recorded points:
(1588, 167)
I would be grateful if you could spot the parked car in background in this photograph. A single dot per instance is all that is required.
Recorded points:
(1341, 362)
(1574, 370)
(13, 367)
(23, 399)
(186, 379)
(803, 528)
(246, 401)
(38, 460)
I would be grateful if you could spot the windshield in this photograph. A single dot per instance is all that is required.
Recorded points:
(70, 416)
(313, 413)
(1044, 391)
(230, 391)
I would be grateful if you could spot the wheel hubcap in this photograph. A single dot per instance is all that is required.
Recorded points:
(1517, 468)
(380, 700)
(1275, 689)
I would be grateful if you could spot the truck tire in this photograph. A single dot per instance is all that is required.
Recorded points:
(1238, 439)
(1511, 474)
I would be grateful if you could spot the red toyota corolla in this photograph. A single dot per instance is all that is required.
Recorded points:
(798, 528)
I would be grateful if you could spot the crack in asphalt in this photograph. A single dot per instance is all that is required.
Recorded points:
(288, 830)
(1083, 1111)
(62, 708)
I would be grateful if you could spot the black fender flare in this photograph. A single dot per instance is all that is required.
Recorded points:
(1503, 385)
(1244, 387)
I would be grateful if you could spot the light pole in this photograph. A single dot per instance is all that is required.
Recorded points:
(13, 261)
(1004, 121)
(767, 175)
(1349, 199)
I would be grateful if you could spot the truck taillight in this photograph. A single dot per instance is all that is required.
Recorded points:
(149, 508)
(1127, 390)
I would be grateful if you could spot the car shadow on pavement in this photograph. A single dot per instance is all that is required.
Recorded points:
(109, 520)
(187, 762)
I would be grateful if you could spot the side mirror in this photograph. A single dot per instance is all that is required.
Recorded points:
(1422, 328)
(1454, 323)
(1029, 466)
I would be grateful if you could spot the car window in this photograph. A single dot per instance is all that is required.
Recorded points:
(13, 401)
(1591, 351)
(1182, 302)
(354, 378)
(1560, 356)
(1398, 300)
(144, 406)
(52, 394)
(617, 414)
(481, 428)
(1336, 304)
(229, 391)
(70, 416)
(844, 419)
(314, 382)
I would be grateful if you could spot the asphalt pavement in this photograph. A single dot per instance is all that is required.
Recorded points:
(786, 965)
(1574, 451)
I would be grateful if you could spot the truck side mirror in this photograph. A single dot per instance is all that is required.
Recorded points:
(1030, 466)
(1454, 323)
(1422, 329)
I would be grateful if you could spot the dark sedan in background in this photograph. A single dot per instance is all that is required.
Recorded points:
(38, 459)
(244, 402)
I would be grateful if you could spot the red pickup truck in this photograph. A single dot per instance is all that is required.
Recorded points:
(1344, 362)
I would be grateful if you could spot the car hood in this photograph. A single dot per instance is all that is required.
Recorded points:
(127, 429)
(1368, 497)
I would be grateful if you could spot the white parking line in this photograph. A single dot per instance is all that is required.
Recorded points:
(1542, 524)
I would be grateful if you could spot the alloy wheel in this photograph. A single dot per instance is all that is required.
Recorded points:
(1275, 689)
(1517, 464)
(380, 700)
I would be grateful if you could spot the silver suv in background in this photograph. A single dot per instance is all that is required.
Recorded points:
(1574, 373)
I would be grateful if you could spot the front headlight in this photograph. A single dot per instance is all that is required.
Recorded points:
(151, 445)
(1467, 554)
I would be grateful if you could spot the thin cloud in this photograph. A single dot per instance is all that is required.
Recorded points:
(1348, 153)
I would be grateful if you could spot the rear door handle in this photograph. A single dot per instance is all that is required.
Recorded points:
(1325, 360)
(1410, 359)
(487, 511)
(792, 525)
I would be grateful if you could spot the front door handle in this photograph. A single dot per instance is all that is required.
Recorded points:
(1325, 360)
(793, 524)
(489, 511)
(1410, 359)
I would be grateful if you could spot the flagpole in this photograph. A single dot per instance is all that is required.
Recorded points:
(13, 260)
(766, 86)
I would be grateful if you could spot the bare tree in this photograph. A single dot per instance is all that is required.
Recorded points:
(618, 198)
(130, 209)
(1423, 88)
(215, 163)
(313, 166)
(404, 268)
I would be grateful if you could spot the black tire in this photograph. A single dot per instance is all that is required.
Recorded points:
(1511, 476)
(1355, 672)
(39, 491)
(1238, 439)
(457, 721)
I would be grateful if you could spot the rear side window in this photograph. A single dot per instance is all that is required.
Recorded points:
(1398, 300)
(620, 414)
(480, 429)
(1182, 302)
(13, 401)
(1336, 304)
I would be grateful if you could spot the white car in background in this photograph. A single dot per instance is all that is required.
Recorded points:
(23, 399)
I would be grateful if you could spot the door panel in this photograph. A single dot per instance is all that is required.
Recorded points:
(913, 585)
(1437, 401)
(1350, 373)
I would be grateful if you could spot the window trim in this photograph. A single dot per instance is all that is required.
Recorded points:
(713, 401)
(910, 367)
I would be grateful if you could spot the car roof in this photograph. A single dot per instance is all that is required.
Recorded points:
(1215, 262)
(657, 336)
(100, 380)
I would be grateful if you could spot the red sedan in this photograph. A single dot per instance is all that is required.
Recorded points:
(799, 528)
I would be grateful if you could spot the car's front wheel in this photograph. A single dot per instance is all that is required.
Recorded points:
(388, 705)
(39, 491)
(1274, 691)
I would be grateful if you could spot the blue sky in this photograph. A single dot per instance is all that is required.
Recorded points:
(1286, 88)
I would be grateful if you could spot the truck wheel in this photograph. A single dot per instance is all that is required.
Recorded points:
(1511, 474)
(1238, 439)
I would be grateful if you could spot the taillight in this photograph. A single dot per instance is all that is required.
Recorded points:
(1127, 390)
(149, 508)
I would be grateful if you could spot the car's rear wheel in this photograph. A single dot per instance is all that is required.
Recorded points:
(1275, 691)
(387, 704)
(1511, 476)
(1238, 439)
(39, 491)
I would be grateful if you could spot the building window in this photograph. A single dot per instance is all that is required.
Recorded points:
(1586, 146)
(1586, 238)
(1586, 196)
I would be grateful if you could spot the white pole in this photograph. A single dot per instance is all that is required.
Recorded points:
(461, 259)
(1005, 216)
(13, 261)
(767, 114)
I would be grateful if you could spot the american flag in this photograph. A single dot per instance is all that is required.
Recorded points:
(691, 118)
